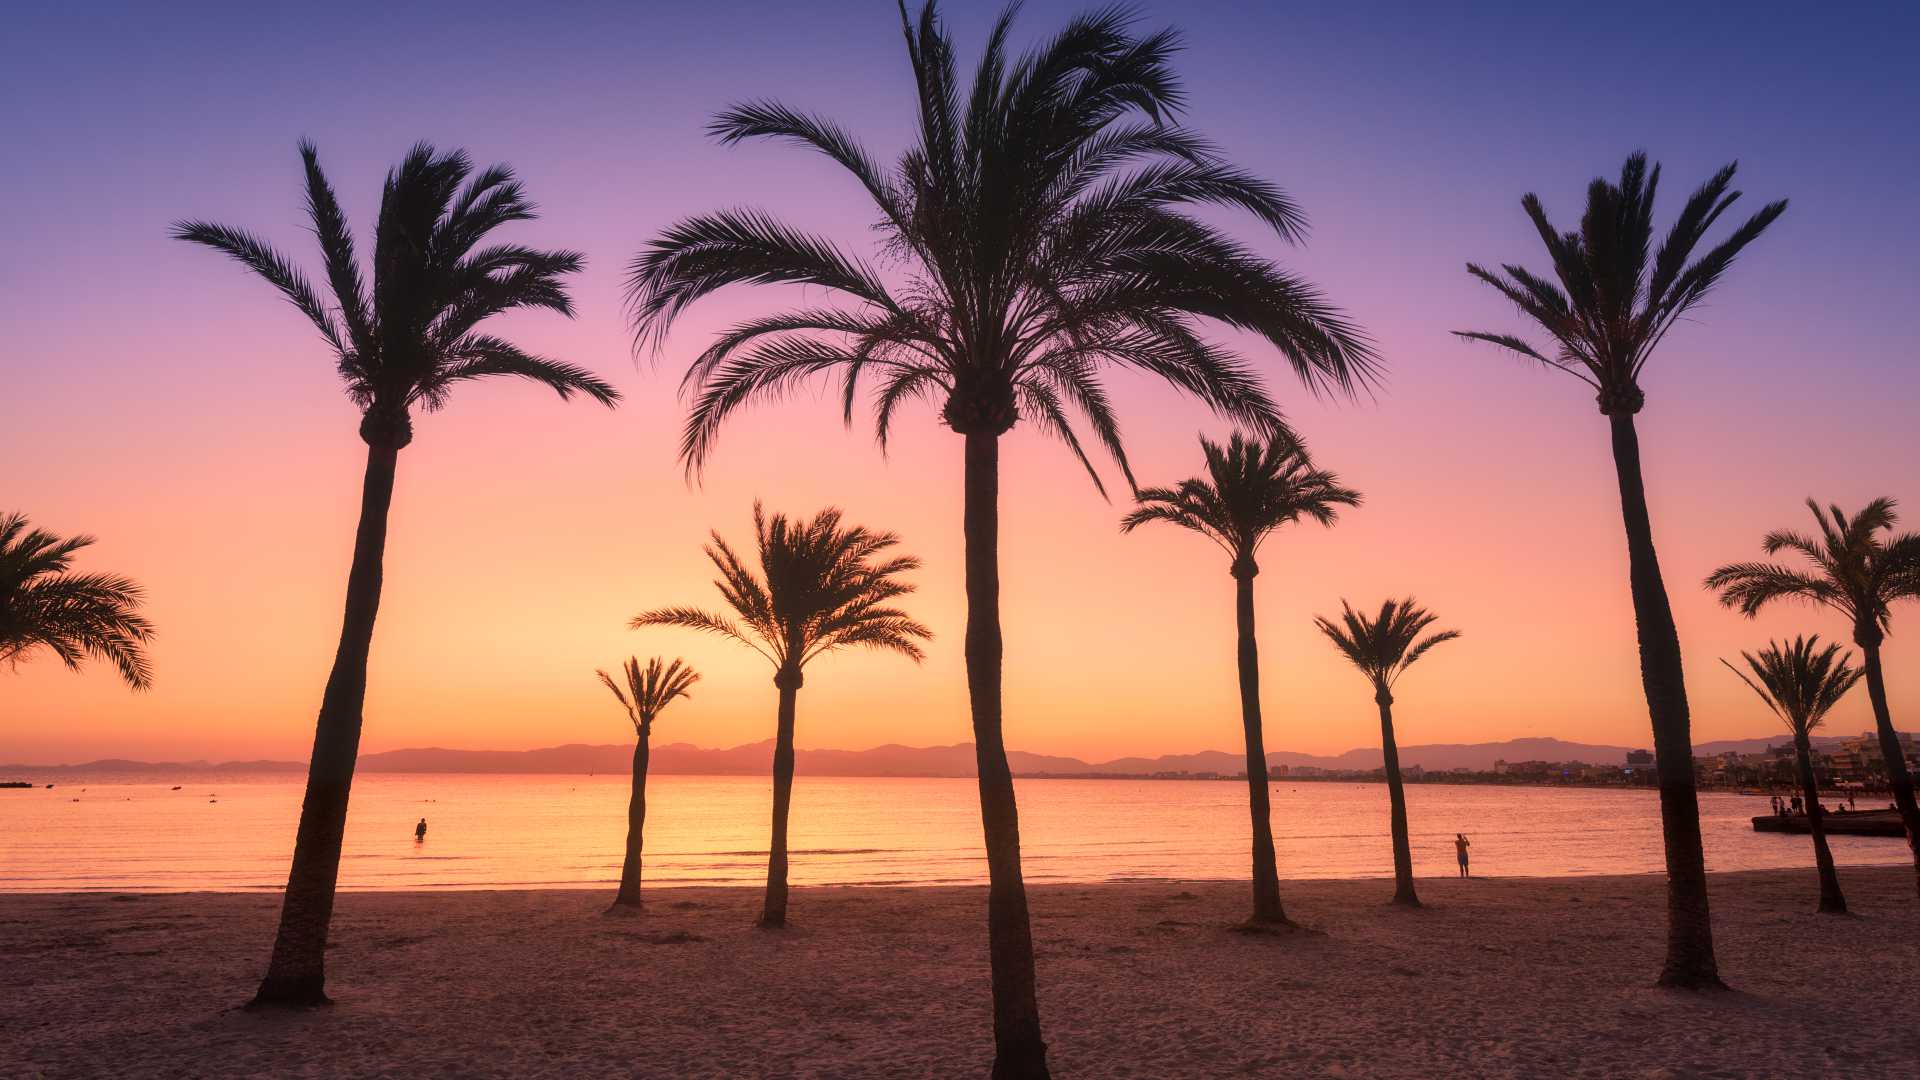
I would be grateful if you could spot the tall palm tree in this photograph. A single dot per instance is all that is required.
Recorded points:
(1801, 685)
(1383, 648)
(649, 691)
(1254, 485)
(401, 342)
(1039, 223)
(1859, 568)
(1615, 300)
(43, 605)
(821, 587)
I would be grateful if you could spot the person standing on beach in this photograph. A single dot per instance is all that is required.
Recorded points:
(1460, 846)
(420, 832)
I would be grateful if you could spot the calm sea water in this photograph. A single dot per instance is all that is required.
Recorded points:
(553, 831)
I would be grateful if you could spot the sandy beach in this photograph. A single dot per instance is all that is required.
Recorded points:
(1499, 978)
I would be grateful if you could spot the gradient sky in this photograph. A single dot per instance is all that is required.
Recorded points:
(161, 398)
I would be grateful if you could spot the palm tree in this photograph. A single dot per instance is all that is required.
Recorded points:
(1801, 685)
(402, 344)
(1254, 485)
(819, 589)
(649, 691)
(1609, 312)
(1383, 648)
(1860, 567)
(1038, 222)
(45, 606)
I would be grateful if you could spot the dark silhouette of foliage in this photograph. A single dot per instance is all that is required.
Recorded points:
(1038, 225)
(402, 337)
(1801, 683)
(648, 691)
(1383, 647)
(1859, 567)
(45, 605)
(1254, 485)
(821, 587)
(1609, 302)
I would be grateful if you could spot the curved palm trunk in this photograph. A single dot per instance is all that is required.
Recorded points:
(1690, 961)
(1266, 873)
(1396, 796)
(297, 973)
(1830, 898)
(774, 914)
(1897, 776)
(629, 895)
(1019, 1052)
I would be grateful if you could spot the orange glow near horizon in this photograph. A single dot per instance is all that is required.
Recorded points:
(168, 403)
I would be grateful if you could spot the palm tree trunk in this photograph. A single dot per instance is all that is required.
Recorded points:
(774, 915)
(1897, 776)
(1690, 962)
(1397, 797)
(629, 896)
(1830, 898)
(1266, 873)
(297, 973)
(1019, 1052)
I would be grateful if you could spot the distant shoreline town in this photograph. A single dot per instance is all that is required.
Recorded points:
(1841, 761)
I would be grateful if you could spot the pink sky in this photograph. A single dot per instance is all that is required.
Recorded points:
(163, 400)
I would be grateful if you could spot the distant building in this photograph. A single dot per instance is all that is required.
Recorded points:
(1413, 772)
(1500, 767)
(1639, 759)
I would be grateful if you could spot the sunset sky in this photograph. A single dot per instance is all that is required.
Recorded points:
(163, 399)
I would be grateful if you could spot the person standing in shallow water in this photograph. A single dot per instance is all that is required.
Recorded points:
(420, 832)
(1460, 846)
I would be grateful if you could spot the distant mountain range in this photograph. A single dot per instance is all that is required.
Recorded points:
(896, 760)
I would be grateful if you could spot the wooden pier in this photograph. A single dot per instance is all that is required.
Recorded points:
(1854, 823)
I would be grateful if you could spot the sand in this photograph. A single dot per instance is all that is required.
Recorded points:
(1498, 978)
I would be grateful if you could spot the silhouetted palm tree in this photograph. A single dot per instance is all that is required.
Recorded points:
(1859, 573)
(1037, 219)
(45, 606)
(1383, 648)
(819, 589)
(1801, 685)
(401, 344)
(1254, 485)
(649, 690)
(1615, 301)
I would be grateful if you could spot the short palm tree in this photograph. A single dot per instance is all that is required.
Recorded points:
(1383, 647)
(43, 605)
(401, 342)
(821, 587)
(1802, 682)
(1859, 567)
(1254, 485)
(1039, 223)
(649, 690)
(1615, 300)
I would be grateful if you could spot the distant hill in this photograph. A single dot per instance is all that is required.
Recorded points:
(891, 760)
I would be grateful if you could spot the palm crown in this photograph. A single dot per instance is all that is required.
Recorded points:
(1612, 306)
(1385, 646)
(1800, 682)
(1855, 569)
(73, 616)
(1037, 216)
(415, 333)
(820, 588)
(1254, 485)
(650, 689)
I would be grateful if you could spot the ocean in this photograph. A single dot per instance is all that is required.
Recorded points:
(230, 833)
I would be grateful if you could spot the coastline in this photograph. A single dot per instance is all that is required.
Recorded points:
(1495, 977)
